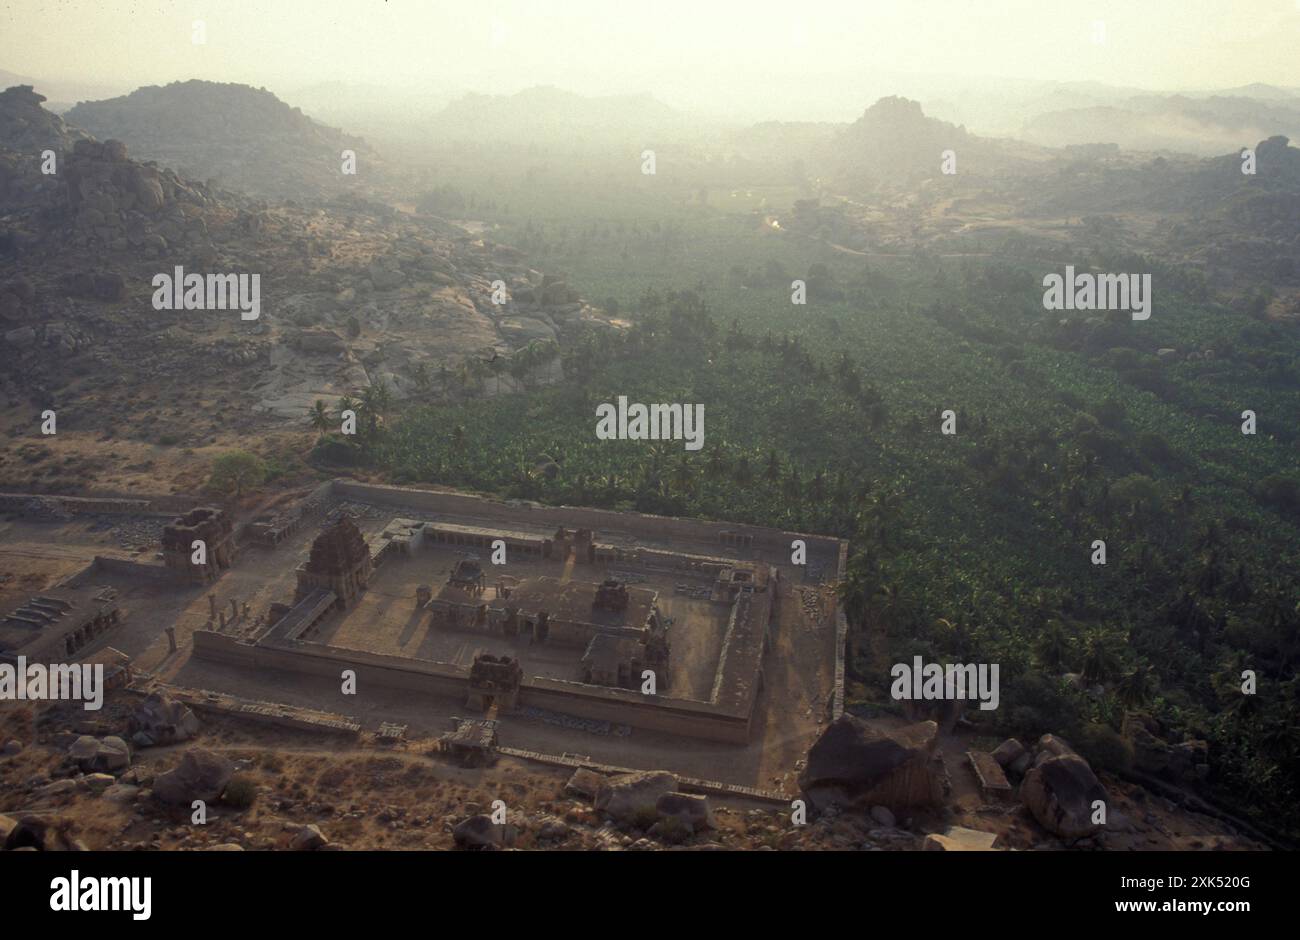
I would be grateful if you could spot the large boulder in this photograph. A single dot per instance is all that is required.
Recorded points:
(480, 832)
(1151, 753)
(960, 839)
(1060, 793)
(584, 784)
(163, 720)
(688, 810)
(1049, 746)
(634, 797)
(1190, 760)
(319, 341)
(307, 839)
(384, 277)
(201, 775)
(41, 831)
(1014, 758)
(520, 331)
(1008, 752)
(100, 756)
(855, 765)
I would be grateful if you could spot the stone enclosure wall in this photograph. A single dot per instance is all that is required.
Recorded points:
(691, 719)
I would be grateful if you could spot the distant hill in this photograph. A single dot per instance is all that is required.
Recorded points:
(244, 138)
(549, 116)
(895, 142)
(1200, 126)
(61, 95)
(379, 113)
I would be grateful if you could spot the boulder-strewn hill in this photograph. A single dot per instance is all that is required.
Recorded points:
(27, 130)
(25, 125)
(350, 296)
(894, 141)
(242, 137)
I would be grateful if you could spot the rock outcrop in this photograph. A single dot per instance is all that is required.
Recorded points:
(480, 832)
(1061, 791)
(160, 719)
(108, 755)
(634, 797)
(201, 775)
(853, 765)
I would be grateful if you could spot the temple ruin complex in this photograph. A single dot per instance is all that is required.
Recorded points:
(603, 627)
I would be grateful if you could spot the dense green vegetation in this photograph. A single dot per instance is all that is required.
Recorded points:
(974, 547)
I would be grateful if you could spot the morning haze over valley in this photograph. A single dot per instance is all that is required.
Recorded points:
(572, 427)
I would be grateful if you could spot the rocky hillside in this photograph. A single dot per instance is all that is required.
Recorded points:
(26, 126)
(349, 296)
(127, 780)
(895, 142)
(243, 138)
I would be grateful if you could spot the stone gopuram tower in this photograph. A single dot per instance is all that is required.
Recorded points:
(205, 524)
(494, 680)
(339, 562)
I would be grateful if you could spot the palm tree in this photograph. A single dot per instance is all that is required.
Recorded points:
(854, 593)
(772, 472)
(891, 604)
(742, 473)
(1238, 590)
(791, 487)
(374, 402)
(716, 465)
(683, 477)
(1100, 661)
(1135, 687)
(1054, 647)
(320, 419)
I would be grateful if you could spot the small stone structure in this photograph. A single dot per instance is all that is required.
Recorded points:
(208, 525)
(391, 733)
(117, 667)
(468, 576)
(472, 744)
(580, 544)
(993, 781)
(494, 680)
(54, 625)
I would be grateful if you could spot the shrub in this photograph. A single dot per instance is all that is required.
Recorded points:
(1104, 748)
(240, 792)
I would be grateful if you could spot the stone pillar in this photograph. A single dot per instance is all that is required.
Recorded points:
(212, 606)
(171, 639)
(221, 614)
(234, 609)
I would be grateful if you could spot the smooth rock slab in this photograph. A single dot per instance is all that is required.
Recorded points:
(960, 839)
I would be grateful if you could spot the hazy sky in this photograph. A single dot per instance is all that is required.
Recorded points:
(778, 51)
